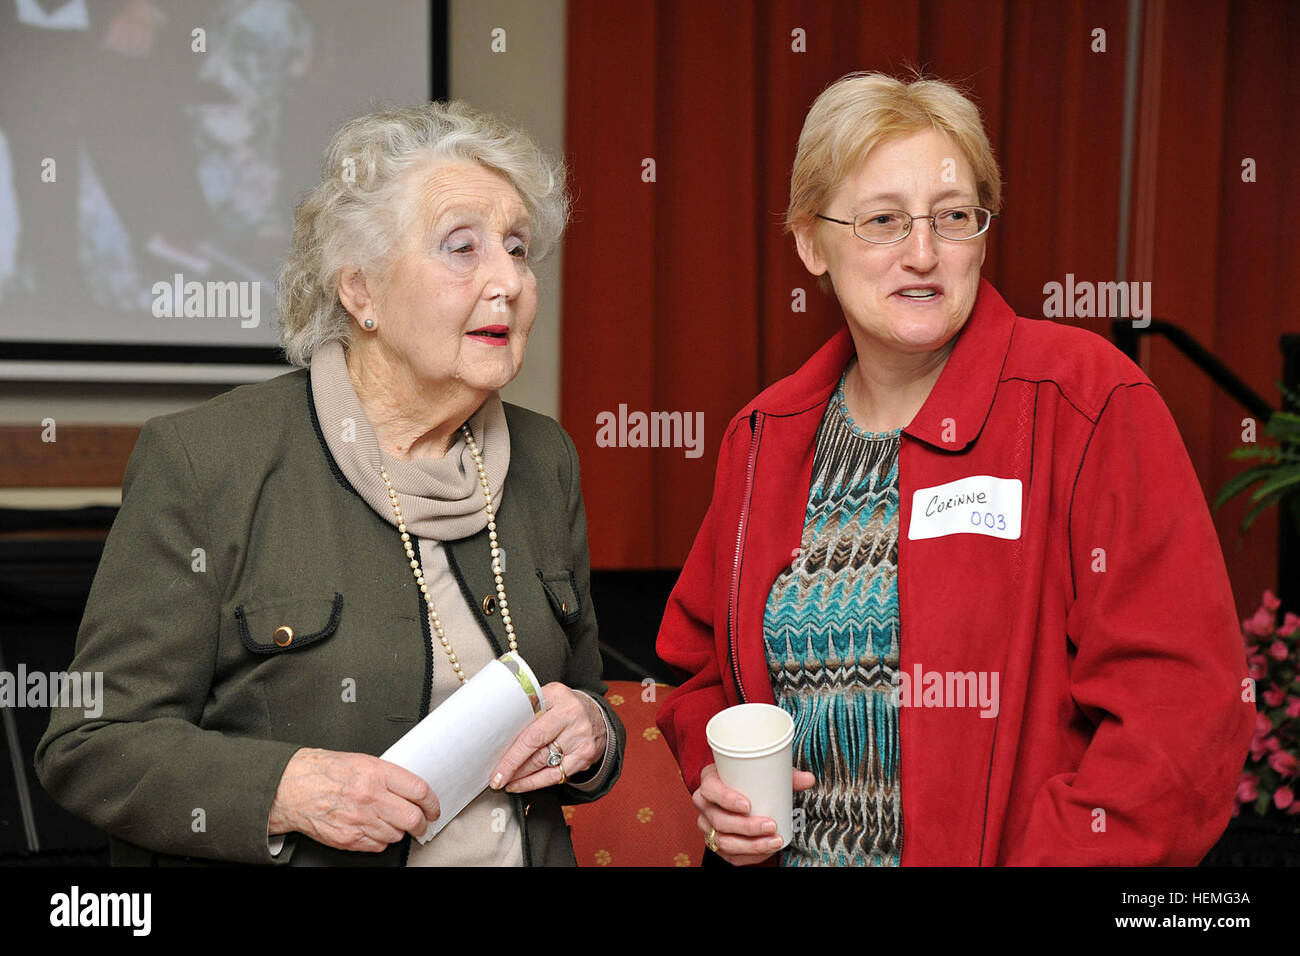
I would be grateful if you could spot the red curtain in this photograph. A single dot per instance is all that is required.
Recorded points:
(1220, 85)
(680, 293)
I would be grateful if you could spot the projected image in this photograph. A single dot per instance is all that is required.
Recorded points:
(151, 154)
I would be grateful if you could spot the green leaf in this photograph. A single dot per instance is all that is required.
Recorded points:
(1288, 417)
(1287, 432)
(1238, 483)
(1259, 508)
(1252, 453)
(1282, 479)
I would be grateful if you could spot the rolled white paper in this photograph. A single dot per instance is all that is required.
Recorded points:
(456, 747)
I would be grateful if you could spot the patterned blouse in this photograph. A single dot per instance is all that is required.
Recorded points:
(831, 633)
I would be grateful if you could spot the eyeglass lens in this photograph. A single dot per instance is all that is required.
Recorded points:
(889, 225)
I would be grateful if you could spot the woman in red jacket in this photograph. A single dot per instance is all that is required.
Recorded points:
(966, 551)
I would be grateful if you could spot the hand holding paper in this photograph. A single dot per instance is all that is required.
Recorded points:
(574, 722)
(349, 801)
(456, 748)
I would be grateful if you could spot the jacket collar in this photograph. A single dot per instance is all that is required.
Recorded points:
(961, 398)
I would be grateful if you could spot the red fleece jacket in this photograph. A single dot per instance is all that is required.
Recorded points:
(1120, 728)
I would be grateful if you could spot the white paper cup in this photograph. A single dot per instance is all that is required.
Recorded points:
(752, 749)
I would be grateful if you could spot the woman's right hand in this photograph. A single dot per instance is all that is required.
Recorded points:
(742, 839)
(350, 801)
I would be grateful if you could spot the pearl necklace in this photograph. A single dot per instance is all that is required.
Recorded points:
(496, 556)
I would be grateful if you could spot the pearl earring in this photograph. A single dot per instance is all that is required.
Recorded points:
(370, 323)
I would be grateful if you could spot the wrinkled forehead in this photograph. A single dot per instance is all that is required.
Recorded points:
(458, 188)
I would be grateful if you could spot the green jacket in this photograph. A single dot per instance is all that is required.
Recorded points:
(235, 520)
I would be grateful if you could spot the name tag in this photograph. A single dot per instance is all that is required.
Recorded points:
(980, 504)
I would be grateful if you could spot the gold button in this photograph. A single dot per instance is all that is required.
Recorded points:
(564, 608)
(489, 604)
(284, 635)
(527, 807)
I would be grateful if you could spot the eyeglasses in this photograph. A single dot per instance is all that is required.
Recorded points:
(890, 225)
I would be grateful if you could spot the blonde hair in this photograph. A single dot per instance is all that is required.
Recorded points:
(356, 214)
(859, 111)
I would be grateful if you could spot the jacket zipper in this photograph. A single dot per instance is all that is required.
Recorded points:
(756, 432)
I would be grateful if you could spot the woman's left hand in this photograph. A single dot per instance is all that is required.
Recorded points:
(573, 722)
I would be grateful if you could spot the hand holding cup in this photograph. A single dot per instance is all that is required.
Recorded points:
(742, 838)
(746, 796)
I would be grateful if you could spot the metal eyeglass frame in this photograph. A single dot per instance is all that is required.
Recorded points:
(911, 219)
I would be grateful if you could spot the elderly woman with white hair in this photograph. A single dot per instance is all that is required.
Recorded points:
(965, 551)
(303, 569)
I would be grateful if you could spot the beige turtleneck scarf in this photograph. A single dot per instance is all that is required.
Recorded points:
(440, 497)
(441, 500)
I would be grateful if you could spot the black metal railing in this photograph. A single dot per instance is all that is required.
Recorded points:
(1127, 337)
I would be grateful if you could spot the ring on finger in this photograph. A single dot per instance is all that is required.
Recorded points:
(711, 841)
(563, 776)
(555, 755)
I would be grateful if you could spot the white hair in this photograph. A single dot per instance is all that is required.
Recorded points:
(355, 217)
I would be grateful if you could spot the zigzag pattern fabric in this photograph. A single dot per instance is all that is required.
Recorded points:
(831, 631)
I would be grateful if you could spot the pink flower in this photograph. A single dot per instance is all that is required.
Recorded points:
(1274, 696)
(1258, 666)
(1272, 744)
(1263, 727)
(1278, 651)
(1261, 625)
(1248, 788)
(1283, 798)
(1292, 706)
(1289, 624)
(1271, 601)
(1293, 809)
(1283, 762)
(1252, 649)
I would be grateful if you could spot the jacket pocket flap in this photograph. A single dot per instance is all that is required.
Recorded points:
(288, 625)
(562, 591)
